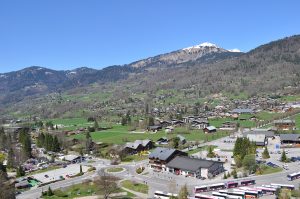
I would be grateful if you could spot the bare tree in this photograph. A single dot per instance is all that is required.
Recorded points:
(107, 183)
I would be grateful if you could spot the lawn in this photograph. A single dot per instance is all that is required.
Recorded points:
(217, 122)
(80, 190)
(290, 98)
(115, 169)
(204, 148)
(120, 135)
(268, 170)
(137, 187)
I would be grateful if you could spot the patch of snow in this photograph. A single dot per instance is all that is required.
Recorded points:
(235, 50)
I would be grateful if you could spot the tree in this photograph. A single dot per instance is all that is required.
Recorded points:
(249, 163)
(150, 121)
(265, 154)
(285, 194)
(55, 145)
(175, 142)
(225, 176)
(183, 193)
(96, 125)
(50, 192)
(80, 169)
(210, 153)
(7, 187)
(234, 174)
(20, 171)
(27, 147)
(283, 156)
(107, 183)
(10, 158)
(238, 161)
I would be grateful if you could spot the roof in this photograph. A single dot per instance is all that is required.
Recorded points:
(162, 153)
(181, 138)
(135, 144)
(242, 110)
(70, 157)
(290, 137)
(284, 121)
(258, 138)
(190, 164)
(211, 128)
(260, 131)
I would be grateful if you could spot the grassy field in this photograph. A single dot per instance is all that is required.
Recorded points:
(138, 187)
(290, 98)
(217, 122)
(119, 135)
(268, 170)
(204, 148)
(81, 190)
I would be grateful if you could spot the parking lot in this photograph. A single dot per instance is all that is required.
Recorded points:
(58, 174)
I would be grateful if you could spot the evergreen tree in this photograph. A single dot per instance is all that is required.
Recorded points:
(10, 158)
(55, 145)
(88, 142)
(27, 147)
(150, 121)
(265, 154)
(225, 176)
(20, 171)
(183, 193)
(234, 174)
(210, 153)
(283, 156)
(96, 125)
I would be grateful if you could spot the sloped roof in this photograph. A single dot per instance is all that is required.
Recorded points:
(292, 137)
(135, 144)
(258, 138)
(162, 153)
(190, 164)
(211, 128)
(242, 110)
(260, 131)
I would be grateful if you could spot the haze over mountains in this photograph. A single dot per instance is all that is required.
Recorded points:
(268, 68)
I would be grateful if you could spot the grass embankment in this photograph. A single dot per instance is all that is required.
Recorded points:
(137, 187)
(268, 170)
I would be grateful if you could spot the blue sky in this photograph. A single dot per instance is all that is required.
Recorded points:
(65, 34)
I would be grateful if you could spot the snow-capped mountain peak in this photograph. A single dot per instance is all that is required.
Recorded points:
(203, 45)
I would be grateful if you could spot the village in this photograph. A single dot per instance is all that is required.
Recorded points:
(199, 147)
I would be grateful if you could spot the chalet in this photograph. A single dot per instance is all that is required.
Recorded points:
(161, 156)
(169, 129)
(72, 158)
(162, 141)
(290, 138)
(259, 139)
(284, 124)
(210, 129)
(194, 167)
(177, 123)
(154, 128)
(267, 133)
(200, 123)
(137, 146)
(242, 111)
(229, 125)
(165, 124)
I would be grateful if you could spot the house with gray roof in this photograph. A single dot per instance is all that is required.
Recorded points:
(285, 124)
(259, 139)
(138, 146)
(267, 133)
(194, 167)
(242, 111)
(290, 138)
(161, 156)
